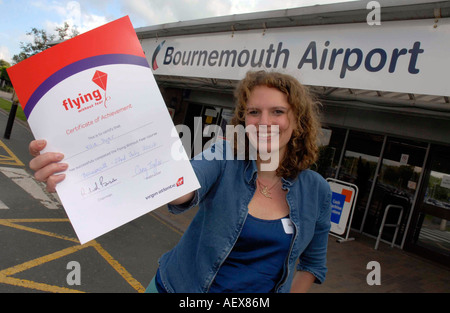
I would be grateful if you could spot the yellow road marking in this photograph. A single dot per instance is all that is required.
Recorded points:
(36, 220)
(119, 268)
(9, 159)
(39, 261)
(34, 285)
(9, 223)
(12, 159)
(6, 273)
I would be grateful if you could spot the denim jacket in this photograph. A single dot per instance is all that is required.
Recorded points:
(227, 186)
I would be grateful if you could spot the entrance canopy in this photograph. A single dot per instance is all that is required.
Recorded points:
(403, 61)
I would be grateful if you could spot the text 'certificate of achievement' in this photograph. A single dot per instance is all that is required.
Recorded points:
(94, 99)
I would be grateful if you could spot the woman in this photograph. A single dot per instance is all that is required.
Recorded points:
(254, 221)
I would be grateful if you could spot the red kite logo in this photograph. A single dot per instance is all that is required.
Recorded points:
(155, 54)
(180, 181)
(101, 79)
(89, 100)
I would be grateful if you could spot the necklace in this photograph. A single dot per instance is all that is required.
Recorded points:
(265, 190)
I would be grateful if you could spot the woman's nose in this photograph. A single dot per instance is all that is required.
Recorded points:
(264, 118)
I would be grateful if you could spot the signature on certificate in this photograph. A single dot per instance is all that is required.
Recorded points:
(98, 185)
(150, 169)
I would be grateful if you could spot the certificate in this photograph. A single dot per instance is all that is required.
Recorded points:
(94, 99)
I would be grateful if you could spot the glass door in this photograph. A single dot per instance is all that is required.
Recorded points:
(430, 234)
(358, 166)
(191, 120)
(329, 155)
(198, 117)
(396, 184)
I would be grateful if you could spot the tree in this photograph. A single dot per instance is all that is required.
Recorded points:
(42, 41)
(4, 78)
(4, 73)
(63, 32)
(3, 63)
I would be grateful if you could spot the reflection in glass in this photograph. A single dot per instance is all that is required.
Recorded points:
(435, 234)
(438, 190)
(435, 210)
(359, 166)
(328, 161)
(396, 184)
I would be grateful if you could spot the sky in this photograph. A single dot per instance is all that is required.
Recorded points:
(17, 17)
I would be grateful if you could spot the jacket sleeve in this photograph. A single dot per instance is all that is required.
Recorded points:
(208, 167)
(313, 259)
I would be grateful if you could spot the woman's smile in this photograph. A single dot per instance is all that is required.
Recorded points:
(269, 112)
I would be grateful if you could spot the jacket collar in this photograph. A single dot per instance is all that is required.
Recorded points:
(250, 172)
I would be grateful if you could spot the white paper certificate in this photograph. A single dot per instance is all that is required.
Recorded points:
(109, 119)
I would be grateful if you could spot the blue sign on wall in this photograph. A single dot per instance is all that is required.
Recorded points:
(337, 204)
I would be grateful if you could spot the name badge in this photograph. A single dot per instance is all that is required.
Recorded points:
(287, 226)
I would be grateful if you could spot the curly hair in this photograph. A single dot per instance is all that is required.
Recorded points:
(302, 149)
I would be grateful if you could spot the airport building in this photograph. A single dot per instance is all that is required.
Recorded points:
(381, 73)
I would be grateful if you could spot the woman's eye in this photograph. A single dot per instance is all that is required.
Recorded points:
(252, 112)
(279, 112)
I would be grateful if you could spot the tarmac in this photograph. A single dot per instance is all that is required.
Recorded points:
(39, 244)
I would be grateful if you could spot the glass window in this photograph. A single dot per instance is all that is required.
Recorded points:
(330, 152)
(359, 166)
(396, 184)
(434, 217)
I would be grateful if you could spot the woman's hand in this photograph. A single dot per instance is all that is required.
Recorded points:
(46, 165)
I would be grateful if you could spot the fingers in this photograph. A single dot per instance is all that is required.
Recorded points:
(46, 159)
(44, 173)
(49, 172)
(36, 147)
(53, 180)
(46, 165)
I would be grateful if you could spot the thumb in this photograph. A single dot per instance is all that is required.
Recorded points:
(36, 147)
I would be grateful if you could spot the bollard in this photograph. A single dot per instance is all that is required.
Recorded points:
(12, 116)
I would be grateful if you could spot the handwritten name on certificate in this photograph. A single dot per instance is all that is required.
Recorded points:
(94, 98)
